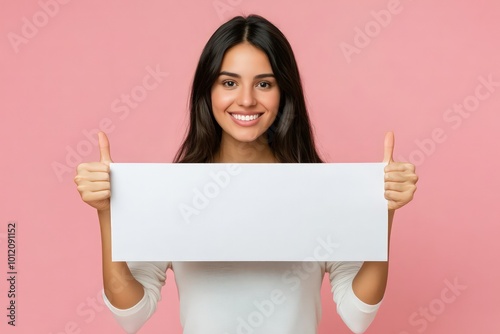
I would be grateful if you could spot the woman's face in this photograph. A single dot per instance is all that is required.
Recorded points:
(245, 96)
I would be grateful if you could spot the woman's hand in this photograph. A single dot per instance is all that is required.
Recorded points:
(399, 178)
(92, 178)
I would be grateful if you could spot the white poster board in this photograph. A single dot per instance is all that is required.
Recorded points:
(248, 212)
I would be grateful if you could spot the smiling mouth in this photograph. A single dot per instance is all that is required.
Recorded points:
(241, 117)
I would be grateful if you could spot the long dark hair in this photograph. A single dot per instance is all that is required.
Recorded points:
(290, 137)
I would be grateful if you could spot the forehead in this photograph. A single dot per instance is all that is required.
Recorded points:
(245, 57)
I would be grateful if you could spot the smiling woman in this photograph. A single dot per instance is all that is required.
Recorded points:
(245, 100)
(246, 106)
(248, 69)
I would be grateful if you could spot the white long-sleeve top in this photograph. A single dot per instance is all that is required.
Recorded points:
(248, 297)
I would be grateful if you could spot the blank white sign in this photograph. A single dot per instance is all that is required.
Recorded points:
(248, 212)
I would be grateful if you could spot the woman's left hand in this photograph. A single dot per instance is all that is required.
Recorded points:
(399, 177)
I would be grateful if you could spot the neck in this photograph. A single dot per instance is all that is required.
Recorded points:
(233, 151)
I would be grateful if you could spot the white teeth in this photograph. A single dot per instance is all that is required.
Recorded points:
(245, 118)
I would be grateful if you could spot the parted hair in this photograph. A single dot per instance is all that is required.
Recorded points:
(290, 137)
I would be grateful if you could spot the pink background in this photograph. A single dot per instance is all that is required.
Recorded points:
(62, 81)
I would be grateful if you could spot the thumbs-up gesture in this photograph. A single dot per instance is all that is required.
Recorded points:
(93, 180)
(399, 177)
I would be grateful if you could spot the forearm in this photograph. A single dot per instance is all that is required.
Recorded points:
(121, 288)
(370, 282)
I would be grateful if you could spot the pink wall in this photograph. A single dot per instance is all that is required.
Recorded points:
(64, 76)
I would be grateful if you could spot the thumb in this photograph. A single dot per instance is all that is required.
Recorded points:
(104, 148)
(388, 147)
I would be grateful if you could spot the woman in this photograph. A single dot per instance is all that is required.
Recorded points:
(246, 106)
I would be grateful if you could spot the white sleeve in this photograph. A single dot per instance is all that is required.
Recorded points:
(356, 314)
(152, 276)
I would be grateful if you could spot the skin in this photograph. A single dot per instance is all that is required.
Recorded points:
(400, 185)
(92, 179)
(246, 85)
(249, 94)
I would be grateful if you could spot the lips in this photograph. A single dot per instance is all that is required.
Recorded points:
(245, 117)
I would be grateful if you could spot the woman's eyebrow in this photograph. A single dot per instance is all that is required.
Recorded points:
(235, 75)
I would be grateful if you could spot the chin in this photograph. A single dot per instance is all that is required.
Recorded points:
(245, 138)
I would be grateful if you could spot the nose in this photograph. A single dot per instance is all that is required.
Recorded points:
(246, 97)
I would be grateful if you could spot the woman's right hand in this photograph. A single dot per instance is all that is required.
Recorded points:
(93, 180)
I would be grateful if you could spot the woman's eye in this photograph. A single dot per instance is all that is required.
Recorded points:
(264, 84)
(229, 83)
